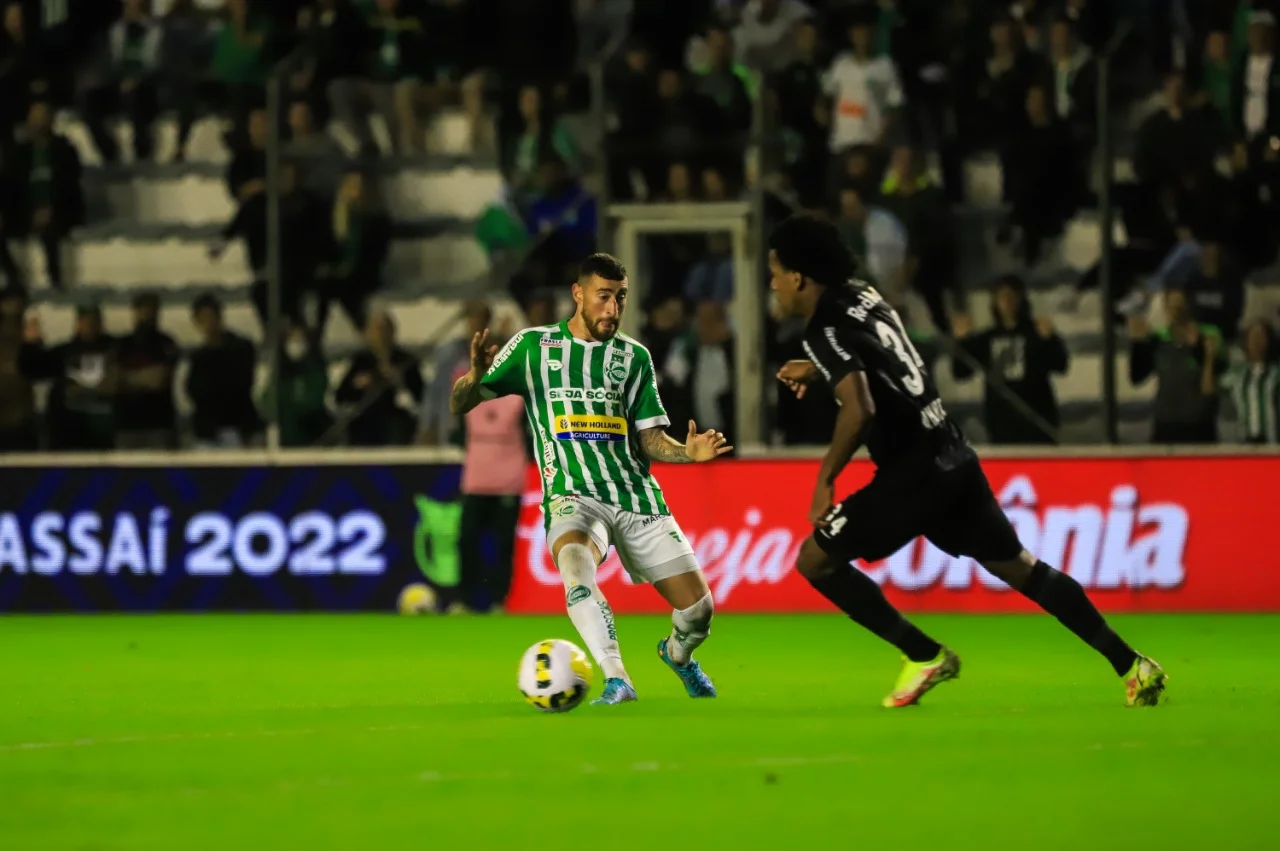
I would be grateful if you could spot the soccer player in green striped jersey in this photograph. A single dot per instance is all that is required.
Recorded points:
(591, 397)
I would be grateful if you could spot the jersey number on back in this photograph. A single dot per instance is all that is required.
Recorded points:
(896, 339)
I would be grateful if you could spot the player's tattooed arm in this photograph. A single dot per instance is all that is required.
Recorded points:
(466, 390)
(660, 446)
(465, 394)
(707, 446)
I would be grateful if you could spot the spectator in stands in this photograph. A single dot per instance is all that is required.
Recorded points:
(699, 372)
(318, 157)
(303, 415)
(540, 308)
(1216, 76)
(130, 87)
(437, 426)
(378, 375)
(23, 75)
(543, 132)
(1182, 137)
(525, 42)
(80, 413)
(185, 52)
(725, 82)
(247, 173)
(220, 381)
(1075, 90)
(1257, 81)
(797, 92)
(302, 245)
(564, 212)
(878, 237)
(17, 395)
(1255, 187)
(765, 37)
(1020, 352)
(145, 414)
(1039, 182)
(866, 92)
(914, 200)
(47, 200)
(711, 277)
(1254, 386)
(1215, 291)
(361, 236)
(664, 324)
(334, 36)
(682, 125)
(1186, 357)
(242, 59)
(394, 66)
(992, 98)
(632, 87)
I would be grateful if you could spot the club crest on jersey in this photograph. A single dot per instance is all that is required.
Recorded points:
(590, 427)
(617, 370)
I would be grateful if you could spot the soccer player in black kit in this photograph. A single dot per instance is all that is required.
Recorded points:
(927, 480)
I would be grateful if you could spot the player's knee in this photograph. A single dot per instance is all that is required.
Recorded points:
(571, 537)
(695, 619)
(577, 567)
(812, 562)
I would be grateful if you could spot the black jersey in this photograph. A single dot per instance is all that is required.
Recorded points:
(853, 329)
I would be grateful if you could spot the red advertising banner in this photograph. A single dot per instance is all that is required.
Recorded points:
(1141, 534)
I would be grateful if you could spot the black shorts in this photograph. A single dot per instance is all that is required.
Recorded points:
(955, 509)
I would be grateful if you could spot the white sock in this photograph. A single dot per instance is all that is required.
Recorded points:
(689, 628)
(589, 610)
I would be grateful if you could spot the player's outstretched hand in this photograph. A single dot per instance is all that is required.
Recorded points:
(797, 375)
(481, 352)
(707, 446)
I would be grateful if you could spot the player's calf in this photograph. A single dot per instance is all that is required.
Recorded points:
(690, 627)
(588, 609)
(859, 597)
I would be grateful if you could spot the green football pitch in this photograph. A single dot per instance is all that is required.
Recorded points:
(362, 732)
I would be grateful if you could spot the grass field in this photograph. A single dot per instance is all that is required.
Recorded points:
(312, 732)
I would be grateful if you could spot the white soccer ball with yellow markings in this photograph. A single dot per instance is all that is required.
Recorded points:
(555, 675)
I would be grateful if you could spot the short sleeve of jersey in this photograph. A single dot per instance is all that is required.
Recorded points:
(506, 374)
(832, 352)
(645, 408)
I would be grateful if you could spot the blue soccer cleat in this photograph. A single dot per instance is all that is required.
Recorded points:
(696, 683)
(616, 690)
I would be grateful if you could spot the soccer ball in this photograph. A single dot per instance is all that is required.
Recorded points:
(417, 599)
(555, 675)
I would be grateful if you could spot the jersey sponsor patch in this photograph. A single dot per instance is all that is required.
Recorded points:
(577, 394)
(551, 343)
(590, 427)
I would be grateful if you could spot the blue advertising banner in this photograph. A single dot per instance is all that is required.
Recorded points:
(212, 538)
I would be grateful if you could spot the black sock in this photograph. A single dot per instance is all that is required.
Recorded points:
(859, 597)
(1062, 597)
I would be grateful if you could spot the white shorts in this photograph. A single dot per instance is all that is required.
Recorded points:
(651, 546)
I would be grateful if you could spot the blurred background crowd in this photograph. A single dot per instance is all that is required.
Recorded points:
(444, 164)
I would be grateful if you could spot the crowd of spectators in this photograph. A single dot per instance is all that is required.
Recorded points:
(864, 109)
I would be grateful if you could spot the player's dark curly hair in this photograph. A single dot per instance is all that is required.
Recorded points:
(604, 265)
(812, 246)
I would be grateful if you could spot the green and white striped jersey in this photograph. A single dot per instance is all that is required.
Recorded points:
(587, 403)
(1255, 393)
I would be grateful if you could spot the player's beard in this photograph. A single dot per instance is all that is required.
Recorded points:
(603, 330)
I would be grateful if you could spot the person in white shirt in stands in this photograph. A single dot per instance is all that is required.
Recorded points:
(1259, 88)
(766, 36)
(866, 92)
